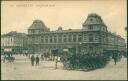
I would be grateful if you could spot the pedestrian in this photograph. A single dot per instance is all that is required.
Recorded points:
(114, 57)
(32, 60)
(115, 60)
(42, 57)
(10, 54)
(29, 56)
(37, 60)
(56, 61)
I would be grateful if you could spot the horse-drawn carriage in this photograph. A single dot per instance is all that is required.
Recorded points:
(84, 61)
(8, 55)
(8, 58)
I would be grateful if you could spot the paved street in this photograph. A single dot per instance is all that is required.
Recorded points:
(22, 70)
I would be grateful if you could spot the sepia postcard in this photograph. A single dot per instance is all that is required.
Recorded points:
(64, 40)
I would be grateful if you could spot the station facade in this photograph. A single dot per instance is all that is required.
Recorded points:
(94, 37)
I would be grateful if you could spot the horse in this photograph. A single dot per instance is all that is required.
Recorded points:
(9, 59)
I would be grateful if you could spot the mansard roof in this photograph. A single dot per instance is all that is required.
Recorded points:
(114, 34)
(68, 30)
(38, 24)
(93, 18)
(14, 33)
(73, 30)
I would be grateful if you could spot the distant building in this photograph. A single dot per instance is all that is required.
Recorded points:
(14, 42)
(92, 38)
(126, 29)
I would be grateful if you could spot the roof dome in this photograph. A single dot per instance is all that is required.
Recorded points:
(93, 18)
(60, 28)
(37, 24)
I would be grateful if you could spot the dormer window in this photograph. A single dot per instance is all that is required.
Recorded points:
(91, 19)
(35, 24)
(90, 27)
(32, 31)
(60, 28)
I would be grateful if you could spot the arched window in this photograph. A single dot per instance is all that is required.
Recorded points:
(79, 38)
(59, 38)
(46, 39)
(42, 39)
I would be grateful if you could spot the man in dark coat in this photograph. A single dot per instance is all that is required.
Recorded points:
(32, 60)
(37, 60)
(115, 60)
(114, 57)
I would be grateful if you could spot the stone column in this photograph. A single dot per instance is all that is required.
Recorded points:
(57, 38)
(77, 49)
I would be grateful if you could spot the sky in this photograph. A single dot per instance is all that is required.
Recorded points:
(19, 15)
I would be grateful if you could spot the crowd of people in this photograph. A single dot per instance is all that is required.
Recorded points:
(36, 58)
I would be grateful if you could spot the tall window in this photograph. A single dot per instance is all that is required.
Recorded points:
(74, 38)
(90, 38)
(85, 35)
(79, 38)
(65, 38)
(70, 38)
(33, 39)
(50, 39)
(55, 39)
(42, 39)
